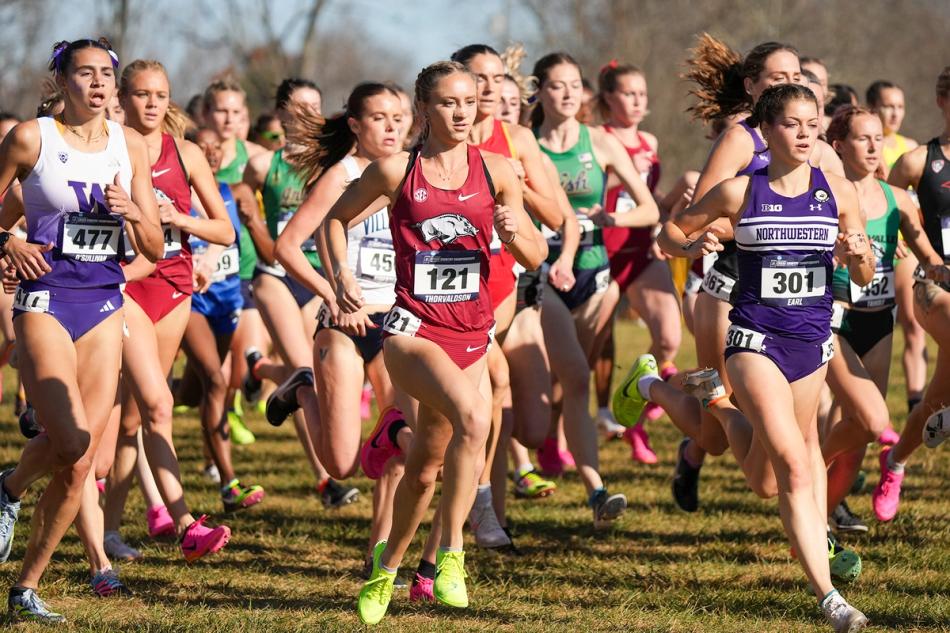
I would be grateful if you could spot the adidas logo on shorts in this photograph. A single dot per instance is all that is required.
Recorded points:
(108, 306)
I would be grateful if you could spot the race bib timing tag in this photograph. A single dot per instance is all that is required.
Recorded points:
(446, 276)
(746, 339)
(402, 322)
(377, 260)
(789, 280)
(37, 301)
(88, 237)
(879, 292)
(718, 284)
(586, 226)
(625, 204)
(172, 240)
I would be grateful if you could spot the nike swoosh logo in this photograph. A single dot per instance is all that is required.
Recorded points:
(175, 295)
(471, 195)
(469, 348)
(156, 174)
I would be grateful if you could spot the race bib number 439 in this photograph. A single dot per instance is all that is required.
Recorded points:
(90, 237)
(446, 276)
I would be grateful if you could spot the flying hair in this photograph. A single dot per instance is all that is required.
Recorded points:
(512, 58)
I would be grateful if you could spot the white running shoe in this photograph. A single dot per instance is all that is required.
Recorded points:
(705, 385)
(608, 425)
(841, 615)
(117, 549)
(211, 472)
(937, 428)
(488, 532)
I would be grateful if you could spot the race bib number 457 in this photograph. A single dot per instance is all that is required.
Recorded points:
(447, 276)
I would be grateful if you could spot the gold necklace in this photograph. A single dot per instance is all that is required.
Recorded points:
(441, 172)
(102, 133)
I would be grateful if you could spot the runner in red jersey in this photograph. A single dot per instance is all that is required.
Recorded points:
(171, 281)
(443, 207)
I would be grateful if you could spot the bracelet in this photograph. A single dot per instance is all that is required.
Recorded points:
(513, 236)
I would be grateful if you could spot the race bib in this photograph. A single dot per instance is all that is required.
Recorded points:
(585, 225)
(718, 285)
(90, 237)
(792, 280)
(37, 301)
(879, 292)
(828, 349)
(377, 260)
(402, 322)
(324, 316)
(693, 283)
(746, 339)
(228, 264)
(837, 316)
(495, 245)
(172, 240)
(602, 281)
(446, 276)
(625, 204)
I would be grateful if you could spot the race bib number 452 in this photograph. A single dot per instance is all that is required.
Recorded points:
(447, 276)
(90, 237)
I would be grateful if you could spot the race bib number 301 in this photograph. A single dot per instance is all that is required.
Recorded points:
(447, 276)
(790, 280)
(90, 237)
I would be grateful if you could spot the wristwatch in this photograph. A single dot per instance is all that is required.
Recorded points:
(4, 238)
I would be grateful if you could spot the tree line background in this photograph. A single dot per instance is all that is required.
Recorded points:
(334, 43)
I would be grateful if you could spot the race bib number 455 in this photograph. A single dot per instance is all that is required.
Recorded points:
(446, 276)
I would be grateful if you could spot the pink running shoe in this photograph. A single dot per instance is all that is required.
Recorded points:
(199, 540)
(566, 458)
(378, 447)
(101, 486)
(887, 495)
(639, 441)
(889, 437)
(550, 459)
(421, 590)
(160, 522)
(366, 399)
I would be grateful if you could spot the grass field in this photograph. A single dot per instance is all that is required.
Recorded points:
(293, 566)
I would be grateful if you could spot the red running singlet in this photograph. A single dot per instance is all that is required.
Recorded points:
(171, 282)
(629, 249)
(442, 242)
(501, 279)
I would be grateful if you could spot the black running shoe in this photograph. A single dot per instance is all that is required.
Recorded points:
(333, 494)
(845, 521)
(283, 402)
(859, 481)
(251, 385)
(29, 427)
(685, 481)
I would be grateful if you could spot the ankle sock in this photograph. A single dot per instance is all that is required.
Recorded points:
(643, 385)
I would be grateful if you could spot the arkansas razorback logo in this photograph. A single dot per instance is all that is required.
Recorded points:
(446, 228)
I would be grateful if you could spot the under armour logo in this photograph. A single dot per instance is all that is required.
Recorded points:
(814, 207)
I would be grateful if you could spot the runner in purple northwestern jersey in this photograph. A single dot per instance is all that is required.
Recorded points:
(86, 192)
(787, 220)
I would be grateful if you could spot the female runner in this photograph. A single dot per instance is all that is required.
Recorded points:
(927, 170)
(637, 268)
(160, 305)
(288, 307)
(887, 100)
(787, 218)
(443, 208)
(76, 170)
(866, 323)
(727, 85)
(334, 152)
(582, 156)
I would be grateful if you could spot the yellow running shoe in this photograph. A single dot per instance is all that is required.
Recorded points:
(240, 434)
(377, 592)
(449, 586)
(627, 403)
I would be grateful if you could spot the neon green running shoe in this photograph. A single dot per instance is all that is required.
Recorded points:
(240, 434)
(237, 497)
(531, 485)
(377, 591)
(181, 409)
(628, 404)
(236, 405)
(845, 563)
(449, 586)
(261, 406)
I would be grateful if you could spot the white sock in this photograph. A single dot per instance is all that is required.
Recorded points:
(603, 412)
(483, 494)
(894, 467)
(643, 385)
(524, 469)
